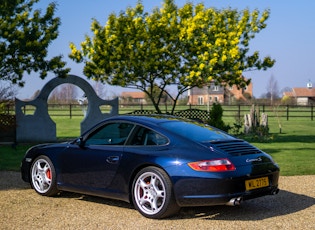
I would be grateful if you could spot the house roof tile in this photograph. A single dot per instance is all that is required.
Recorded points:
(133, 94)
(303, 92)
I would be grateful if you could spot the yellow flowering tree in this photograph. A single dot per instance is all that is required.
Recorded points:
(186, 47)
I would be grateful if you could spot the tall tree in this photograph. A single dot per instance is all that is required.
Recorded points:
(272, 89)
(64, 93)
(186, 47)
(25, 35)
(7, 91)
(7, 94)
(100, 89)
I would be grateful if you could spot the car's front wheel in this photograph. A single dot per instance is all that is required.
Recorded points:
(43, 176)
(152, 193)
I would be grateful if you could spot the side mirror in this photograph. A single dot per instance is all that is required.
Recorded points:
(79, 142)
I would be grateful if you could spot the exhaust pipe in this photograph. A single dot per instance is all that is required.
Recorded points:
(238, 200)
(235, 201)
(275, 191)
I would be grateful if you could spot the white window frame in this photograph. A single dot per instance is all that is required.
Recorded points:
(200, 100)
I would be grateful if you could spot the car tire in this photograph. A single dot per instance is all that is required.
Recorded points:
(43, 176)
(152, 193)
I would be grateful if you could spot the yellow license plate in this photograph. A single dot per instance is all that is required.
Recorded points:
(256, 183)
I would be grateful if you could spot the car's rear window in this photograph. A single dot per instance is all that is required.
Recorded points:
(196, 131)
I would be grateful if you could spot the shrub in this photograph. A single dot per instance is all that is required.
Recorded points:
(216, 114)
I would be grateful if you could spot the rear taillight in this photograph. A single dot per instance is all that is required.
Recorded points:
(217, 165)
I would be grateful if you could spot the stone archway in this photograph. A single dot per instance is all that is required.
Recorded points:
(40, 127)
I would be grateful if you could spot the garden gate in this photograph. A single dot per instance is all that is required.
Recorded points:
(39, 127)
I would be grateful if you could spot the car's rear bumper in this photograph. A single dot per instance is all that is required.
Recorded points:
(210, 191)
(223, 199)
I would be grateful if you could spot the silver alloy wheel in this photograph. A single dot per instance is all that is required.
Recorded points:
(41, 175)
(149, 193)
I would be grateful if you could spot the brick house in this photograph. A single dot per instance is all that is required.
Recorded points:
(218, 94)
(133, 98)
(302, 96)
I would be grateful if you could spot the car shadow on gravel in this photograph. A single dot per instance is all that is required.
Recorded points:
(257, 209)
(94, 199)
(11, 180)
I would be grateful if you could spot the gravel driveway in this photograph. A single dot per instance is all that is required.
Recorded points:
(22, 208)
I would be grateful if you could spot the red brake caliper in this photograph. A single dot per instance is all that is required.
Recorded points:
(48, 174)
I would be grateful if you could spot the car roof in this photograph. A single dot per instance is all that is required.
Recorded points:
(146, 120)
(153, 119)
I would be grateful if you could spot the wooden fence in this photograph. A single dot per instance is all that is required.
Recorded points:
(230, 112)
(286, 112)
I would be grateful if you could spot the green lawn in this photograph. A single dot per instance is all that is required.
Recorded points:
(67, 127)
(293, 149)
(10, 157)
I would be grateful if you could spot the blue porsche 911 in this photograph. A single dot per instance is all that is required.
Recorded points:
(158, 163)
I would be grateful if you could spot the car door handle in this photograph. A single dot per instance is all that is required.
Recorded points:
(112, 159)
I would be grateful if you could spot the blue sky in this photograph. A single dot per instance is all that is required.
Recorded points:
(289, 38)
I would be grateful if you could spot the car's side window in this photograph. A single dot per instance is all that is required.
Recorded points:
(145, 136)
(110, 134)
